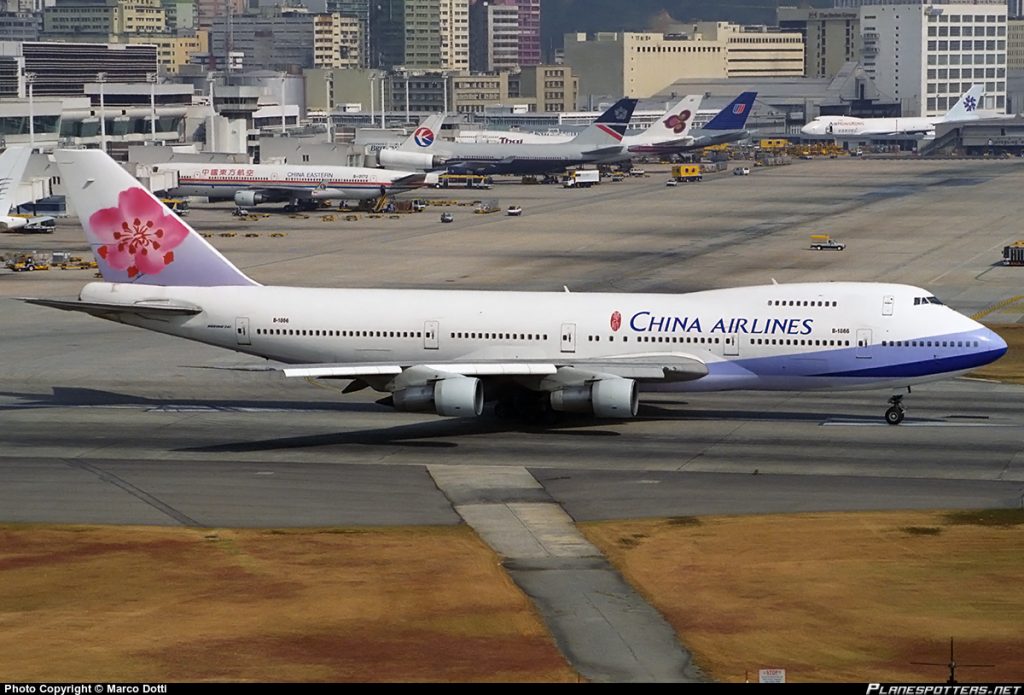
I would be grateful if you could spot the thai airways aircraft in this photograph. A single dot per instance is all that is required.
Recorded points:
(449, 351)
(965, 109)
(600, 142)
(673, 125)
(670, 134)
(298, 185)
(728, 125)
(13, 163)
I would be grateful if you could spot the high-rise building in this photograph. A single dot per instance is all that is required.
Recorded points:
(1015, 8)
(276, 38)
(925, 56)
(454, 25)
(494, 36)
(360, 11)
(831, 37)
(611, 65)
(529, 32)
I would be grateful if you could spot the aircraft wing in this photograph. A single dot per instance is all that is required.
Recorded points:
(641, 366)
(152, 309)
(614, 149)
(410, 181)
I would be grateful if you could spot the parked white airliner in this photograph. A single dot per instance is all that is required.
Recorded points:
(965, 109)
(303, 184)
(13, 163)
(450, 351)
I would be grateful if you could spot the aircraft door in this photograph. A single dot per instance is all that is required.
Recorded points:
(242, 331)
(732, 346)
(431, 335)
(863, 341)
(888, 302)
(568, 337)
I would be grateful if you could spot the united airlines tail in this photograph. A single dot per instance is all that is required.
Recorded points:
(609, 128)
(734, 116)
(967, 105)
(135, 237)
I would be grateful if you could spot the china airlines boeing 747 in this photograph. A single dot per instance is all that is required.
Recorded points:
(449, 351)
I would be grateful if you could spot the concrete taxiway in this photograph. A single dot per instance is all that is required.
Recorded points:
(101, 423)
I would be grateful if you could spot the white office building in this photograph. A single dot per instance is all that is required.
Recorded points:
(926, 54)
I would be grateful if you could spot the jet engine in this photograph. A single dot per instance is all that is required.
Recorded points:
(459, 396)
(405, 160)
(611, 398)
(246, 199)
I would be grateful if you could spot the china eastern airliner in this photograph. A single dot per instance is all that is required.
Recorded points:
(450, 351)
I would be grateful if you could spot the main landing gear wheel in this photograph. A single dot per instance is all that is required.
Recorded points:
(894, 415)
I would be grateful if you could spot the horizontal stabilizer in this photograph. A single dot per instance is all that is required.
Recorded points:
(155, 309)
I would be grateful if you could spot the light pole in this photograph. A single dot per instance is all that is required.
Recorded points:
(212, 131)
(373, 113)
(407, 117)
(329, 77)
(383, 110)
(30, 78)
(284, 125)
(101, 78)
(151, 78)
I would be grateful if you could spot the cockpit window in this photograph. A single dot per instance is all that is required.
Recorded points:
(927, 300)
(934, 300)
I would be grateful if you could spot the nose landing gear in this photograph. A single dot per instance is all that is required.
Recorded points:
(894, 415)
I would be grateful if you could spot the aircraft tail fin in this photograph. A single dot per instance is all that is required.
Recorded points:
(425, 135)
(13, 162)
(734, 116)
(610, 126)
(133, 235)
(675, 123)
(967, 105)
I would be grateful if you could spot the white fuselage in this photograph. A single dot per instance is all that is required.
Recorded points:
(284, 182)
(799, 336)
(848, 125)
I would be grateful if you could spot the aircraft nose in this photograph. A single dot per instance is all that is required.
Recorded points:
(990, 343)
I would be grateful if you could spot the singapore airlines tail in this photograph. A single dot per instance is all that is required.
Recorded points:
(135, 237)
(966, 107)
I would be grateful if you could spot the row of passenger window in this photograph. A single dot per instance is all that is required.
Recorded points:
(500, 336)
(799, 341)
(339, 334)
(801, 302)
(930, 343)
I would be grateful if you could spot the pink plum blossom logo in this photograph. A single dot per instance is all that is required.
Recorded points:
(616, 321)
(678, 122)
(137, 236)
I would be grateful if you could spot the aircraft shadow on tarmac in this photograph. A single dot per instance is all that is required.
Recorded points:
(438, 433)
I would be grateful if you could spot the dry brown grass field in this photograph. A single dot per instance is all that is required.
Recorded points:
(172, 604)
(834, 597)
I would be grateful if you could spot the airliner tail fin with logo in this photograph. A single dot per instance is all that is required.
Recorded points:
(734, 116)
(133, 235)
(966, 107)
(608, 129)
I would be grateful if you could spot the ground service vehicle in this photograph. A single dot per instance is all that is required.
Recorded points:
(447, 217)
(687, 172)
(581, 178)
(823, 242)
(514, 211)
(741, 171)
(1014, 253)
